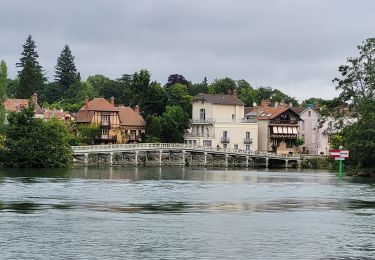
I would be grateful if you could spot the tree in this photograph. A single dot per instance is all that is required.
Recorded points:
(358, 75)
(153, 129)
(31, 75)
(177, 79)
(175, 121)
(222, 86)
(33, 143)
(3, 88)
(65, 69)
(179, 96)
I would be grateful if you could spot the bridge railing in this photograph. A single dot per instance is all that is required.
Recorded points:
(172, 146)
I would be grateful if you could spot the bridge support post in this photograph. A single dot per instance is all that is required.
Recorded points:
(286, 163)
(226, 160)
(205, 159)
(86, 159)
(267, 162)
(169, 158)
(299, 164)
(247, 161)
(160, 154)
(110, 159)
(136, 158)
(183, 157)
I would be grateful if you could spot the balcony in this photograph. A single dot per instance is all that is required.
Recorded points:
(198, 135)
(206, 121)
(283, 122)
(248, 140)
(134, 138)
(107, 137)
(225, 140)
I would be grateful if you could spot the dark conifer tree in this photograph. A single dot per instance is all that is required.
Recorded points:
(65, 70)
(31, 74)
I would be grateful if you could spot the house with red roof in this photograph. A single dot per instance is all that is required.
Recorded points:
(118, 124)
(278, 127)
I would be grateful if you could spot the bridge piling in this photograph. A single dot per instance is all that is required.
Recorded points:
(86, 159)
(267, 162)
(135, 158)
(111, 159)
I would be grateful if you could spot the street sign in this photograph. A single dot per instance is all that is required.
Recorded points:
(340, 156)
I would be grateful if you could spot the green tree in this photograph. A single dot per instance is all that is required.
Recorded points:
(33, 143)
(178, 96)
(153, 129)
(3, 88)
(175, 121)
(222, 86)
(31, 75)
(65, 69)
(358, 75)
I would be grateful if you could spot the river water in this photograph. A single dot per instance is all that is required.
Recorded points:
(183, 213)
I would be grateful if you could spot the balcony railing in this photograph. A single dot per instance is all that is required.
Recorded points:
(194, 135)
(225, 139)
(108, 137)
(248, 140)
(222, 120)
(284, 122)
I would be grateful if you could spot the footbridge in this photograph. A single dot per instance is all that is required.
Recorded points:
(159, 154)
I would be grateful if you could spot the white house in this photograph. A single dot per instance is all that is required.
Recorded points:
(218, 121)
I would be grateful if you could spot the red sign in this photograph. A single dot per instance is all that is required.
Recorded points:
(339, 154)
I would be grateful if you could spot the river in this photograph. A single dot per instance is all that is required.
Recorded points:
(184, 213)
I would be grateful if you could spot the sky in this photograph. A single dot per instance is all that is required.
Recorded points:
(292, 45)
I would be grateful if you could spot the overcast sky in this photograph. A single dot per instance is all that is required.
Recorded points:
(293, 45)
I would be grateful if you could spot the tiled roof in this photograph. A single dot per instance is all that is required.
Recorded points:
(54, 114)
(267, 113)
(83, 116)
(99, 104)
(16, 105)
(219, 99)
(298, 110)
(129, 117)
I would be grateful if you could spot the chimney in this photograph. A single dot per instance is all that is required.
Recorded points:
(290, 104)
(136, 109)
(34, 98)
(230, 92)
(234, 92)
(87, 103)
(113, 101)
(276, 103)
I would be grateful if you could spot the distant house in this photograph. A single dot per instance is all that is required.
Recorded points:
(58, 114)
(218, 121)
(16, 105)
(278, 127)
(118, 124)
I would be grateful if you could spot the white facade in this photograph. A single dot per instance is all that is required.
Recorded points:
(310, 132)
(222, 126)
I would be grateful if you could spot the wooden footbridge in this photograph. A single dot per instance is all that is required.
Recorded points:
(159, 154)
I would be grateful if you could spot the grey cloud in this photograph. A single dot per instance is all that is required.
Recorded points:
(292, 45)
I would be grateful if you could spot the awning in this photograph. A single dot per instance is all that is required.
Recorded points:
(291, 130)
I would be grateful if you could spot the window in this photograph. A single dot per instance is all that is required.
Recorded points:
(225, 134)
(202, 130)
(247, 135)
(302, 125)
(202, 114)
(132, 134)
(303, 137)
(309, 113)
(207, 143)
(233, 116)
(105, 132)
(235, 147)
(105, 119)
(225, 146)
(247, 147)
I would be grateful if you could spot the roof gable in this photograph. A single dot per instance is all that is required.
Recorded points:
(99, 104)
(130, 117)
